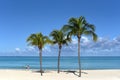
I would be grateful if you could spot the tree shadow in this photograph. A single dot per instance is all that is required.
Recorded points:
(74, 72)
(67, 72)
(38, 71)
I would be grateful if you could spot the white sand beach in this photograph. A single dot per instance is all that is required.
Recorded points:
(53, 75)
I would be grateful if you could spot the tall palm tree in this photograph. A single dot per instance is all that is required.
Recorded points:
(39, 41)
(79, 27)
(59, 38)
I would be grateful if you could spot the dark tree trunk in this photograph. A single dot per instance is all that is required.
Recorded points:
(40, 54)
(79, 63)
(59, 58)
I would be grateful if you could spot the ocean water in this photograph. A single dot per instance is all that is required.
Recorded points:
(91, 63)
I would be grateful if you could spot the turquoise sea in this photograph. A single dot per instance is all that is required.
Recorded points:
(92, 63)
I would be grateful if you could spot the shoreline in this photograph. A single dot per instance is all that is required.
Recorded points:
(23, 74)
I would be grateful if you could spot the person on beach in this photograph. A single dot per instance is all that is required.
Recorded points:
(27, 67)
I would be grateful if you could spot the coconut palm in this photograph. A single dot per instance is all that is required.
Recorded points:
(39, 41)
(59, 38)
(79, 27)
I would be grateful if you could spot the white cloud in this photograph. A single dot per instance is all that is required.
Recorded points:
(46, 49)
(17, 49)
(104, 46)
(74, 41)
(30, 48)
(84, 39)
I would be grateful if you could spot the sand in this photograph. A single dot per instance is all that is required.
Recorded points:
(53, 75)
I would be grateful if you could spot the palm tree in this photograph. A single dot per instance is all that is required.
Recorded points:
(39, 41)
(79, 27)
(59, 38)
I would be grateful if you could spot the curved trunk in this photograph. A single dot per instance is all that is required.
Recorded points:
(59, 58)
(40, 54)
(79, 57)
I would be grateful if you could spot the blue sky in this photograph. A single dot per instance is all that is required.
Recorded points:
(20, 18)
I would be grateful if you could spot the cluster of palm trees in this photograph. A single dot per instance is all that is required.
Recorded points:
(75, 27)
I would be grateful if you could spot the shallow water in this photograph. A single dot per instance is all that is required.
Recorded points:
(10, 62)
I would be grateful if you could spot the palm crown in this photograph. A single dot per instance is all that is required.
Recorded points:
(38, 40)
(59, 37)
(79, 26)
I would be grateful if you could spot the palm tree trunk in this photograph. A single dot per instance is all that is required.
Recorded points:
(40, 54)
(79, 57)
(59, 58)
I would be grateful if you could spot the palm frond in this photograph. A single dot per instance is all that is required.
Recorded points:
(73, 21)
(90, 32)
(90, 26)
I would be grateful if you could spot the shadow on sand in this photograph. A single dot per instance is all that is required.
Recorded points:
(74, 72)
(38, 71)
(67, 72)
